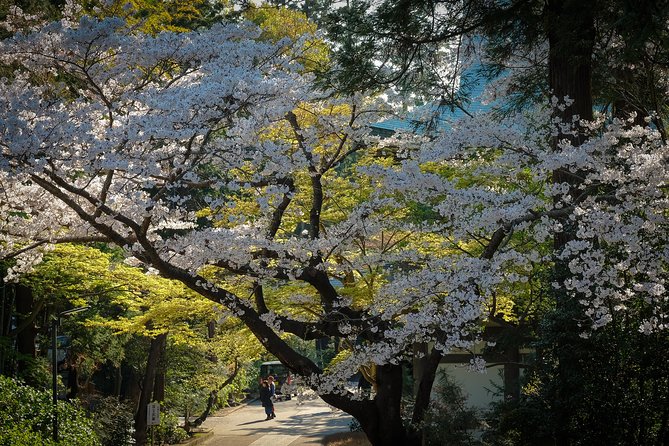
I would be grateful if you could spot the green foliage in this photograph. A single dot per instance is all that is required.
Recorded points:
(124, 301)
(523, 422)
(616, 397)
(448, 419)
(619, 394)
(28, 412)
(278, 23)
(113, 422)
(37, 371)
(309, 350)
(155, 16)
(128, 307)
(168, 431)
(197, 369)
(189, 379)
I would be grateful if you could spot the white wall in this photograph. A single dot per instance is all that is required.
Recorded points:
(477, 387)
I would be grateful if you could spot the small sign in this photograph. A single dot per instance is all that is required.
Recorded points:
(153, 414)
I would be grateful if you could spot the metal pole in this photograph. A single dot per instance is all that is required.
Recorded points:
(54, 373)
(54, 365)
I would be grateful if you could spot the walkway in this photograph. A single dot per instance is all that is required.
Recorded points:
(297, 424)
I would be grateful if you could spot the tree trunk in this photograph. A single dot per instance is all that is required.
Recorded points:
(147, 388)
(379, 418)
(118, 381)
(161, 369)
(6, 307)
(72, 382)
(425, 377)
(571, 33)
(26, 331)
(512, 374)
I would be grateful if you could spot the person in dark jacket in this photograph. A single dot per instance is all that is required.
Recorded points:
(266, 399)
(272, 392)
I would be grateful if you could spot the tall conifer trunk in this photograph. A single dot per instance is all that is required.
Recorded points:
(26, 331)
(571, 33)
(6, 311)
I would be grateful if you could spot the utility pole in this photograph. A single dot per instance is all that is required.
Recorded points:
(55, 323)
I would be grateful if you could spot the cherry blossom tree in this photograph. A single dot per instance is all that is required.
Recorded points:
(200, 154)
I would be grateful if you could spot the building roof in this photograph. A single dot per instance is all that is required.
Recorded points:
(415, 121)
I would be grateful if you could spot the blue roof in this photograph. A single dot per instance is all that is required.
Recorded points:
(415, 121)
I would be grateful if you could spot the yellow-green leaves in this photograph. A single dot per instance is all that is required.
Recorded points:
(144, 303)
(151, 16)
(279, 23)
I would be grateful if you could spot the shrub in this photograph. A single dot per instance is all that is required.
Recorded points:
(113, 422)
(448, 419)
(26, 415)
(168, 431)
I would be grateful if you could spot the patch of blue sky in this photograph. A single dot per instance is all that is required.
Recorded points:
(434, 116)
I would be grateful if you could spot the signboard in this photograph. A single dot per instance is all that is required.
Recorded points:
(153, 414)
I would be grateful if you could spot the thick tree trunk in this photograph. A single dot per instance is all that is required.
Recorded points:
(388, 402)
(72, 382)
(512, 374)
(6, 308)
(147, 388)
(571, 39)
(161, 369)
(379, 418)
(571, 34)
(425, 378)
(26, 331)
(118, 381)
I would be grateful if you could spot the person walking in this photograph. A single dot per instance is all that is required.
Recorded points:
(272, 386)
(266, 399)
(272, 392)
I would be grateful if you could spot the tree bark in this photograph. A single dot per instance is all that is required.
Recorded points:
(118, 381)
(6, 308)
(426, 377)
(512, 374)
(380, 418)
(161, 369)
(26, 333)
(147, 388)
(571, 33)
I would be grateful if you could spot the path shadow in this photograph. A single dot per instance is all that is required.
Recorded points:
(252, 422)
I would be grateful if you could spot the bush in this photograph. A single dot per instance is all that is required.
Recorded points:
(26, 415)
(113, 422)
(448, 419)
(168, 431)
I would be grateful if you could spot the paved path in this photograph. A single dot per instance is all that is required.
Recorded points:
(296, 424)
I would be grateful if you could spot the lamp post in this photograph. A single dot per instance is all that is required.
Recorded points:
(54, 364)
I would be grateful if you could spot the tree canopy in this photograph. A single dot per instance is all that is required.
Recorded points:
(216, 158)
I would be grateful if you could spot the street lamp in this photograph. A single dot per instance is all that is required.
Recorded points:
(54, 364)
